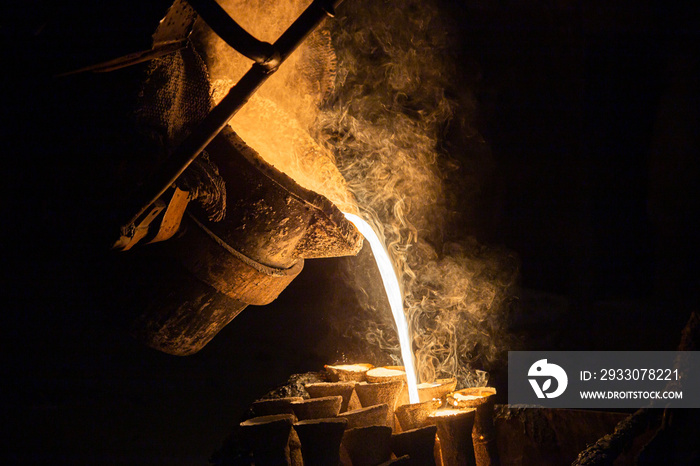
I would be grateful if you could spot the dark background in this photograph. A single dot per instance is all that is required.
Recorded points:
(590, 108)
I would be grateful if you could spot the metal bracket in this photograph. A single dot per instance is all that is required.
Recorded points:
(137, 231)
(154, 225)
(170, 222)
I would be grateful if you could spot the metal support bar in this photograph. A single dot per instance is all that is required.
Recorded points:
(220, 115)
(128, 60)
(171, 35)
(234, 35)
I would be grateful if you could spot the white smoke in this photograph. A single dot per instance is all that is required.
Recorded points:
(386, 124)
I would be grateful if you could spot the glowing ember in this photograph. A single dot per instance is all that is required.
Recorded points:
(384, 372)
(459, 397)
(448, 412)
(428, 385)
(393, 292)
(351, 367)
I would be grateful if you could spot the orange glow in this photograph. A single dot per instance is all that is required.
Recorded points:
(393, 292)
(449, 412)
(277, 120)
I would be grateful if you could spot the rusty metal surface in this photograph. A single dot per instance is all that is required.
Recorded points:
(195, 286)
(214, 262)
(181, 324)
(170, 310)
(273, 220)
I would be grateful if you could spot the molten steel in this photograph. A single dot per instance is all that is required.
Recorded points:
(393, 293)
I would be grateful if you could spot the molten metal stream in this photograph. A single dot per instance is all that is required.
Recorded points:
(393, 292)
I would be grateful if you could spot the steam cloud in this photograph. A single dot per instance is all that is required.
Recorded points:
(386, 123)
(385, 129)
